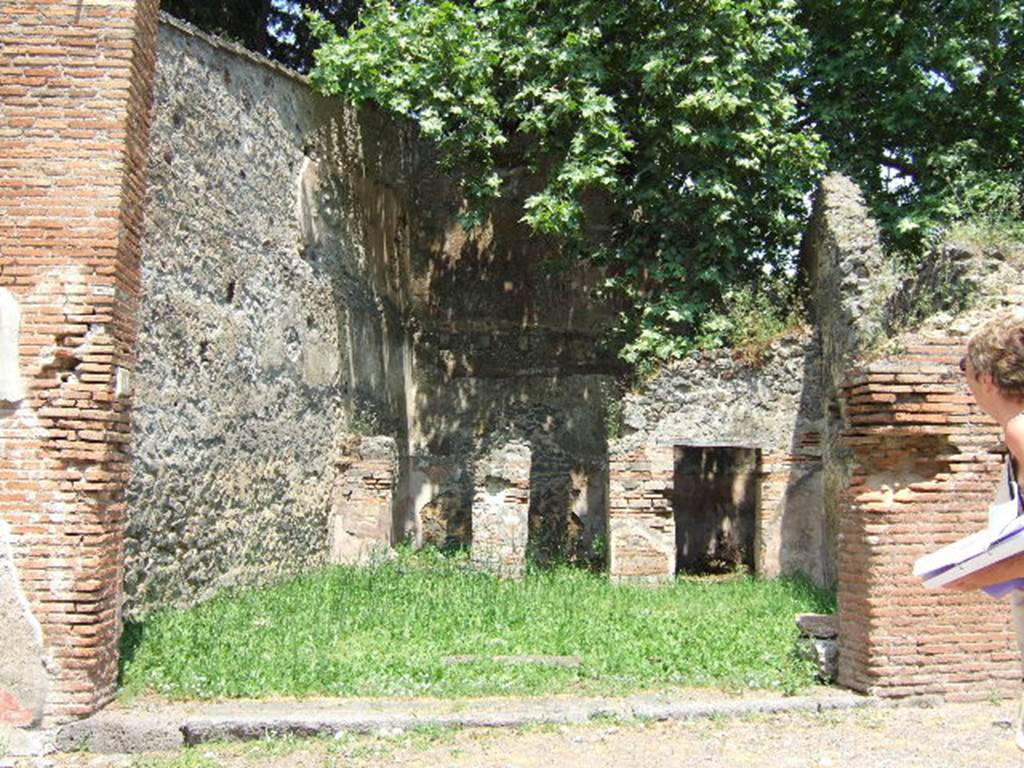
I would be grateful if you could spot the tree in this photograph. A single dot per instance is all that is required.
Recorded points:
(703, 125)
(682, 115)
(923, 104)
(275, 28)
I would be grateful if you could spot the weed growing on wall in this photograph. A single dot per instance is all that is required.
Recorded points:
(614, 418)
(754, 317)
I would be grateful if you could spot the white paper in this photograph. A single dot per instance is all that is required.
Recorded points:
(1004, 522)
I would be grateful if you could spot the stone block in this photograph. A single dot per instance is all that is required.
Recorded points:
(501, 507)
(824, 653)
(820, 625)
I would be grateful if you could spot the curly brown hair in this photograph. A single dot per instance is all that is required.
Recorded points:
(996, 350)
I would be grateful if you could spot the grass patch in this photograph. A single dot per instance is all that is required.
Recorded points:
(384, 631)
(190, 757)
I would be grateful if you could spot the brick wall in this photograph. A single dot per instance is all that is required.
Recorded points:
(362, 508)
(641, 518)
(75, 81)
(925, 465)
(641, 527)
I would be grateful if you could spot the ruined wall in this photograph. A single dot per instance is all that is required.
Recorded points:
(910, 462)
(712, 399)
(307, 286)
(503, 344)
(270, 319)
(925, 465)
(501, 508)
(851, 288)
(76, 91)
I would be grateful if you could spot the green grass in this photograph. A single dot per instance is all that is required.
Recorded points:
(384, 630)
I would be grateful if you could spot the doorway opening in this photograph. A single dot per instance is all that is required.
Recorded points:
(715, 501)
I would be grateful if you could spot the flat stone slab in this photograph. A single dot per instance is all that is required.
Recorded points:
(542, 661)
(151, 726)
(821, 625)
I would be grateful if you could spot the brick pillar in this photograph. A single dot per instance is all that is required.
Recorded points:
(362, 514)
(641, 527)
(75, 82)
(926, 464)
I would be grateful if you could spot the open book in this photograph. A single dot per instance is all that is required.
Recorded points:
(991, 559)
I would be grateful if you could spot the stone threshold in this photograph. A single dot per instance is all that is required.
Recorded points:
(159, 727)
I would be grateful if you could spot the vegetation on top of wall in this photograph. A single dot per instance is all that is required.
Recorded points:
(706, 126)
(682, 118)
(921, 104)
(755, 317)
(277, 29)
(700, 127)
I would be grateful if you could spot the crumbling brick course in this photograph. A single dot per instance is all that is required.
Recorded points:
(641, 527)
(363, 506)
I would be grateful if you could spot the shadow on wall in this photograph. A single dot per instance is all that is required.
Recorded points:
(808, 541)
(501, 345)
(353, 222)
(715, 503)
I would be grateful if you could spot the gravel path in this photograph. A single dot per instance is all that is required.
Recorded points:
(947, 736)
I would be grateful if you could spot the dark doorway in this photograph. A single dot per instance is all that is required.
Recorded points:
(715, 500)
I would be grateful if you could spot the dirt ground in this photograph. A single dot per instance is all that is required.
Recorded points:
(947, 736)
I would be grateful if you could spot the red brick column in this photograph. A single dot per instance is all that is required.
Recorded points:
(641, 526)
(926, 464)
(75, 82)
(362, 514)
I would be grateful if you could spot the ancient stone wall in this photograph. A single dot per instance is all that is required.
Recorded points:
(307, 285)
(271, 319)
(851, 290)
(503, 344)
(714, 400)
(75, 80)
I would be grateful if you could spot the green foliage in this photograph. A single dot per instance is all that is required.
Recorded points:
(921, 103)
(681, 116)
(274, 28)
(697, 129)
(385, 630)
(614, 417)
(699, 124)
(991, 215)
(753, 317)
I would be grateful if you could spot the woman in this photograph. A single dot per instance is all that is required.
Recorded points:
(994, 367)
